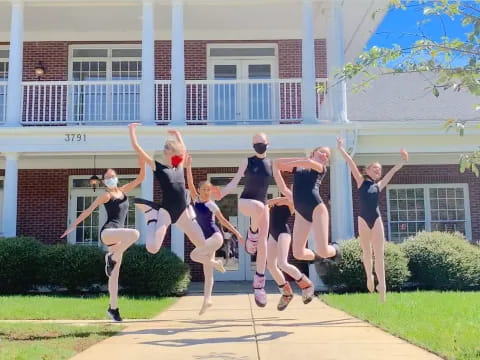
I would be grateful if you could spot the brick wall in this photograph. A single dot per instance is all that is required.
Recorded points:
(54, 57)
(430, 174)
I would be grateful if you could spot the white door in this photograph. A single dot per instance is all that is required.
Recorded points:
(238, 263)
(242, 91)
(88, 232)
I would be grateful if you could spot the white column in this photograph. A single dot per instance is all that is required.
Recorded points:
(10, 195)
(147, 193)
(147, 94)
(15, 66)
(341, 205)
(178, 92)
(337, 96)
(177, 241)
(308, 65)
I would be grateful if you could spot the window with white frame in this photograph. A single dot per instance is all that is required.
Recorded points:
(413, 208)
(3, 82)
(81, 197)
(108, 87)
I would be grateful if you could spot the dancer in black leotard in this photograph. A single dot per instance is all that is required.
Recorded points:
(114, 234)
(253, 203)
(370, 226)
(310, 212)
(278, 246)
(206, 211)
(174, 206)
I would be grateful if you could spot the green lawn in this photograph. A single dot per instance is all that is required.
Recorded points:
(447, 323)
(77, 308)
(27, 341)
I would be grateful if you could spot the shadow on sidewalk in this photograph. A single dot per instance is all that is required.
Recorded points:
(267, 336)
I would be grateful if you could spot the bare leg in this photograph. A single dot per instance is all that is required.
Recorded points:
(272, 262)
(320, 232)
(378, 241)
(301, 230)
(365, 235)
(191, 228)
(156, 231)
(206, 254)
(283, 246)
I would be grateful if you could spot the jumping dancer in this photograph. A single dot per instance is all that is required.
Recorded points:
(206, 211)
(114, 234)
(310, 211)
(278, 245)
(370, 225)
(174, 206)
(257, 170)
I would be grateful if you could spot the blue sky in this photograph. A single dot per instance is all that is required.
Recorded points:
(398, 24)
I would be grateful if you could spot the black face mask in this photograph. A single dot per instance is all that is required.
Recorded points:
(260, 148)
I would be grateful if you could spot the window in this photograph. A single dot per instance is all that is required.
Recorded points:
(81, 197)
(413, 208)
(3, 83)
(97, 97)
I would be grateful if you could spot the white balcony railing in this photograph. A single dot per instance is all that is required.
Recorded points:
(244, 101)
(276, 101)
(3, 101)
(81, 102)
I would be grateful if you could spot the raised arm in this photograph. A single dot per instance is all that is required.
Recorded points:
(386, 179)
(178, 137)
(357, 175)
(140, 152)
(280, 181)
(191, 185)
(226, 224)
(219, 194)
(102, 199)
(140, 177)
(288, 164)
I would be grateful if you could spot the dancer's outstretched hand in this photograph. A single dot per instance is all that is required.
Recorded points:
(240, 238)
(65, 234)
(340, 142)
(134, 125)
(404, 155)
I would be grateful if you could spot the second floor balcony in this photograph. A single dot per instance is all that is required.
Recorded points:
(219, 102)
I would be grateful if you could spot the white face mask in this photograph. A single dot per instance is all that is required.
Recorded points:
(111, 183)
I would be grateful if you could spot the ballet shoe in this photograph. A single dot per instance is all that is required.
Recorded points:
(371, 283)
(207, 305)
(219, 267)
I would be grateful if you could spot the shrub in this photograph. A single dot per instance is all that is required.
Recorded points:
(349, 275)
(162, 274)
(19, 264)
(74, 267)
(443, 261)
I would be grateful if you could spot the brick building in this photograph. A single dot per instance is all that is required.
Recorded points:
(74, 73)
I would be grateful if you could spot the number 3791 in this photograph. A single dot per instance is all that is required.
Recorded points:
(75, 137)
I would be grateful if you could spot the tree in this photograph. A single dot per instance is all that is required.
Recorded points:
(454, 62)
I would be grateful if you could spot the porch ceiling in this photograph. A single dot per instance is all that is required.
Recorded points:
(204, 20)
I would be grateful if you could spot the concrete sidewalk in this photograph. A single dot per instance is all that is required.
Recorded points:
(236, 329)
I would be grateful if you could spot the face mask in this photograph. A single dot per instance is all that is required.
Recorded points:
(111, 183)
(176, 160)
(260, 148)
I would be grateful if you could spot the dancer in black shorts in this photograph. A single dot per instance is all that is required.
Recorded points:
(114, 234)
(278, 246)
(370, 226)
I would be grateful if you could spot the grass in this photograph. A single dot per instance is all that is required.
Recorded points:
(77, 308)
(22, 341)
(447, 323)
